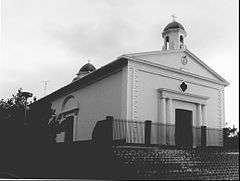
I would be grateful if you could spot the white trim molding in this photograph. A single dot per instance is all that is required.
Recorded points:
(221, 81)
(186, 97)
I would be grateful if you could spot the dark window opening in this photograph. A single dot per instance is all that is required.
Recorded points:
(181, 41)
(167, 42)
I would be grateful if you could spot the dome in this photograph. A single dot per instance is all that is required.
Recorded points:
(173, 25)
(87, 68)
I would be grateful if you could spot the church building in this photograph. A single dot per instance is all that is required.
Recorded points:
(171, 87)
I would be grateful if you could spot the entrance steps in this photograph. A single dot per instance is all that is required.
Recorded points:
(158, 163)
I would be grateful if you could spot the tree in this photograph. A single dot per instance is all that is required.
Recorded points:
(230, 137)
(12, 117)
(42, 123)
(17, 127)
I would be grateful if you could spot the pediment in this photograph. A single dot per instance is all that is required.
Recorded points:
(183, 61)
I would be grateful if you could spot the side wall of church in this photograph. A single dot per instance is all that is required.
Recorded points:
(95, 102)
(146, 80)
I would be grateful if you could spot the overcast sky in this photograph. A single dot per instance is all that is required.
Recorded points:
(51, 39)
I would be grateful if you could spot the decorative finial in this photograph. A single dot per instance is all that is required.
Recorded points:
(173, 17)
(88, 61)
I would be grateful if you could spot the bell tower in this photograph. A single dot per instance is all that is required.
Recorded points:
(174, 35)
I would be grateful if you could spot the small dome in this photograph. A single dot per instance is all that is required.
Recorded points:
(173, 25)
(87, 68)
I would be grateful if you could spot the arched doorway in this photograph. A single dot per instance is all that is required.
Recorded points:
(69, 115)
(67, 128)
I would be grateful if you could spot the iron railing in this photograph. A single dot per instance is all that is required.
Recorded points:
(161, 134)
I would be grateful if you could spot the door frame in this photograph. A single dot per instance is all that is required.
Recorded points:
(188, 128)
(62, 116)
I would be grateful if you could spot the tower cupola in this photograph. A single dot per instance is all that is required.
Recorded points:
(173, 35)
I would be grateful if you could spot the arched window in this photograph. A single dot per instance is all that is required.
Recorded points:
(167, 42)
(69, 103)
(181, 41)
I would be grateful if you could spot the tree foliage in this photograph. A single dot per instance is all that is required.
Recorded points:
(41, 124)
(13, 108)
(24, 123)
(231, 137)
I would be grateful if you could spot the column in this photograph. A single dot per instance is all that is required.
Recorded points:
(204, 127)
(199, 115)
(163, 110)
(198, 124)
(162, 125)
(169, 126)
(169, 111)
(204, 115)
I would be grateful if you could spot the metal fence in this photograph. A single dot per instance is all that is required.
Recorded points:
(130, 131)
(161, 134)
(212, 134)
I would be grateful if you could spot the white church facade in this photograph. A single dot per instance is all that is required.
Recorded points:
(171, 87)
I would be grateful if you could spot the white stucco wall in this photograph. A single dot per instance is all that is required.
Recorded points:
(147, 79)
(96, 101)
(132, 94)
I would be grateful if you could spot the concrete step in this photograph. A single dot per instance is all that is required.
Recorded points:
(164, 163)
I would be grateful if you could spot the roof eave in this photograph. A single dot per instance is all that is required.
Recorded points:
(225, 82)
(92, 77)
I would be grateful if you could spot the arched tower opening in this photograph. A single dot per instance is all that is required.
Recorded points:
(173, 35)
(167, 43)
(181, 41)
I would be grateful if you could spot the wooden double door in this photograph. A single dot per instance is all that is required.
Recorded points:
(183, 128)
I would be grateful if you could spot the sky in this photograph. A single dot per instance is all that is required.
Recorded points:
(44, 40)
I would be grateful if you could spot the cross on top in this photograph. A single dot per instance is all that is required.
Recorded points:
(173, 17)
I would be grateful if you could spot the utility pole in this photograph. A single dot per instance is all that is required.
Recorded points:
(45, 84)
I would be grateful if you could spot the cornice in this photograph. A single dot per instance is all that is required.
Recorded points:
(174, 30)
(173, 69)
(180, 79)
(177, 95)
(226, 83)
(159, 52)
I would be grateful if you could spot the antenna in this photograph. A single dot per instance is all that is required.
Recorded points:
(45, 84)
